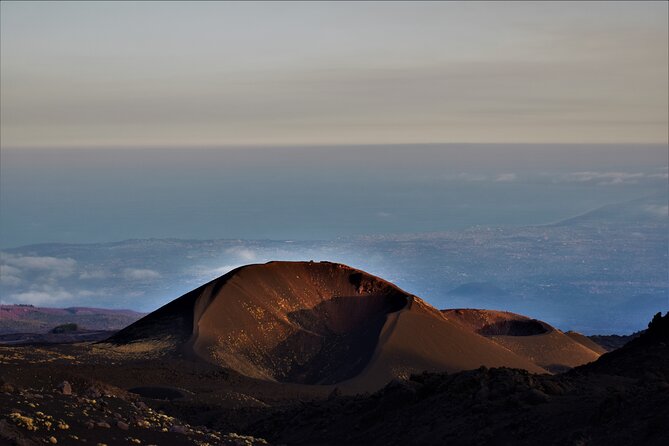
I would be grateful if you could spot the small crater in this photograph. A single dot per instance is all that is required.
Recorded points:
(528, 327)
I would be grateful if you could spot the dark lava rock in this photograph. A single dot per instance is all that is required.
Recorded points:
(535, 396)
(65, 388)
(178, 429)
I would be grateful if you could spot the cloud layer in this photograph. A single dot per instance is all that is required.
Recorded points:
(140, 274)
(610, 178)
(332, 72)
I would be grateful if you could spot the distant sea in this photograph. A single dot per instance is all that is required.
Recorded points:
(87, 195)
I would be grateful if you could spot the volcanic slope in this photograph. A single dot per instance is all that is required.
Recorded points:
(618, 400)
(535, 340)
(313, 323)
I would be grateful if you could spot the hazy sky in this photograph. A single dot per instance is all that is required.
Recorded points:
(98, 73)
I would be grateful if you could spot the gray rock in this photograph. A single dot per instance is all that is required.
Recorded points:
(178, 429)
(92, 392)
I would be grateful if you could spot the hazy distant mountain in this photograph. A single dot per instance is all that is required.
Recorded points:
(30, 319)
(612, 342)
(652, 209)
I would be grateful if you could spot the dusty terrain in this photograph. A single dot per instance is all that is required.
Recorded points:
(302, 353)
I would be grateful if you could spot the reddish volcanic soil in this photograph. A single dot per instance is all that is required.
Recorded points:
(535, 340)
(314, 323)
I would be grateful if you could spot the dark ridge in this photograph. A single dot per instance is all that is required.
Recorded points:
(173, 320)
(642, 357)
(613, 342)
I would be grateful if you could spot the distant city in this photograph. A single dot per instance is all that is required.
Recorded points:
(602, 272)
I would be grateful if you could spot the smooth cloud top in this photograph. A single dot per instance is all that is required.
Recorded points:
(140, 274)
(506, 177)
(610, 178)
(242, 253)
(61, 267)
(657, 210)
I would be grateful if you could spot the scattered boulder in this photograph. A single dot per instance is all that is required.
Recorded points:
(178, 429)
(65, 388)
(93, 392)
(143, 423)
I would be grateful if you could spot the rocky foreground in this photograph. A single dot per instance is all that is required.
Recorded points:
(97, 415)
(74, 394)
(321, 354)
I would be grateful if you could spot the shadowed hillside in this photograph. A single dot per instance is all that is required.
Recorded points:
(620, 399)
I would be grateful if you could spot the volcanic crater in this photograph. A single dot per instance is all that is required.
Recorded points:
(323, 323)
(299, 322)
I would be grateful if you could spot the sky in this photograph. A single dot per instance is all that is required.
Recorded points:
(125, 74)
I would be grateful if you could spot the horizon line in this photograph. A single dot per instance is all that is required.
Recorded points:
(215, 146)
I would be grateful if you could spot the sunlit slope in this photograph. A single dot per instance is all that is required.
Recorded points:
(532, 339)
